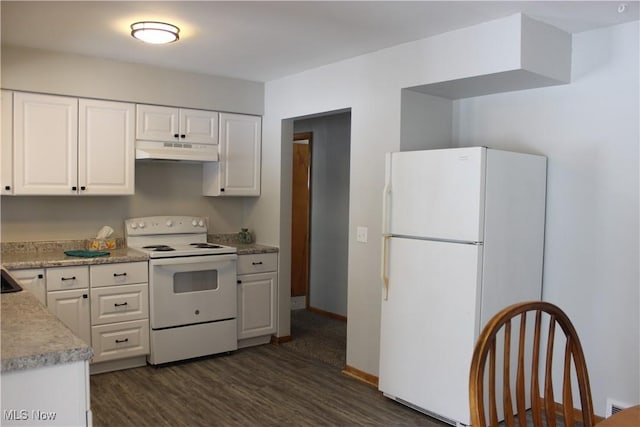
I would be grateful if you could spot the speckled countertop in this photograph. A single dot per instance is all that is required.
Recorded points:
(32, 337)
(243, 248)
(18, 255)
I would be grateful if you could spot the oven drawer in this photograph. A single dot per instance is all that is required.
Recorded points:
(119, 274)
(257, 263)
(120, 340)
(62, 278)
(119, 303)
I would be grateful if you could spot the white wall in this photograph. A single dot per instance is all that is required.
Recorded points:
(329, 246)
(589, 130)
(371, 86)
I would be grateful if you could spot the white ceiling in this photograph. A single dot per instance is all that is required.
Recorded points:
(266, 40)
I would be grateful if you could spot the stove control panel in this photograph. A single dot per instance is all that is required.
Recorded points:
(165, 225)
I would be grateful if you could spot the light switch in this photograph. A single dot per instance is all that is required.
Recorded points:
(361, 234)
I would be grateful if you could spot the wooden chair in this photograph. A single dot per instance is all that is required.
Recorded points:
(526, 357)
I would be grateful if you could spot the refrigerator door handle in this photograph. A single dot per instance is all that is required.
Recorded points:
(386, 195)
(385, 273)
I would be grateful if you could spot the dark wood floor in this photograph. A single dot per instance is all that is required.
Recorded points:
(268, 385)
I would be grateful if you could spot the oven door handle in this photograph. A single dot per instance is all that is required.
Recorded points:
(193, 260)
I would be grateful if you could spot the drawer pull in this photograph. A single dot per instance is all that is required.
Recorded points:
(68, 278)
(120, 305)
(121, 341)
(257, 263)
(119, 274)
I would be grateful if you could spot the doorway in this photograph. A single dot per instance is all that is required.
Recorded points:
(300, 218)
(320, 196)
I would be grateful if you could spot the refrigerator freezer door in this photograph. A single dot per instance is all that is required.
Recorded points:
(436, 194)
(429, 325)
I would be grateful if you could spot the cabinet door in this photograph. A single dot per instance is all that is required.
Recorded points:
(237, 173)
(156, 123)
(33, 281)
(45, 144)
(106, 150)
(198, 126)
(256, 304)
(6, 144)
(72, 308)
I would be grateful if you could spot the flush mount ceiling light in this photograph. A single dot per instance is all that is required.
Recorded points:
(154, 32)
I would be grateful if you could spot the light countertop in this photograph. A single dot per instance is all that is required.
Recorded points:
(32, 337)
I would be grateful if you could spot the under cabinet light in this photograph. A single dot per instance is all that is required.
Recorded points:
(155, 32)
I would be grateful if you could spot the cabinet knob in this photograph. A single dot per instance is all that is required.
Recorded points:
(85, 296)
(74, 188)
(175, 135)
(40, 276)
(7, 187)
(239, 282)
(222, 189)
(83, 188)
(183, 136)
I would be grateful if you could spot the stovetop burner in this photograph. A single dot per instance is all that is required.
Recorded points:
(159, 248)
(205, 245)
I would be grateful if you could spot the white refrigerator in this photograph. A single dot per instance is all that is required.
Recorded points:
(463, 237)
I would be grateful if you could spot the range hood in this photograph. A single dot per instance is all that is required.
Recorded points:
(151, 150)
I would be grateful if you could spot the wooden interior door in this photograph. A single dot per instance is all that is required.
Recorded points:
(300, 215)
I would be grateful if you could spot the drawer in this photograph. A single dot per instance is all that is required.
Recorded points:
(119, 274)
(257, 263)
(119, 303)
(120, 340)
(63, 278)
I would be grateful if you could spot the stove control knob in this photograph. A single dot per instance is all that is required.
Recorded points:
(201, 223)
(194, 222)
(169, 223)
(141, 224)
(134, 225)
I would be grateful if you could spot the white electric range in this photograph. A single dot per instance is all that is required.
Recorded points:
(192, 287)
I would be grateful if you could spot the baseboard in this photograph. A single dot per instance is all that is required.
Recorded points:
(361, 375)
(117, 365)
(279, 340)
(327, 313)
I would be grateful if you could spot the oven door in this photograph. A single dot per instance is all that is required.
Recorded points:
(190, 290)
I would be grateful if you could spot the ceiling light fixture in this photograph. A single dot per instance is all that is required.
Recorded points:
(155, 32)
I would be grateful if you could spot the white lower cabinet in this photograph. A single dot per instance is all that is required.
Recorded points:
(119, 315)
(107, 305)
(257, 289)
(68, 298)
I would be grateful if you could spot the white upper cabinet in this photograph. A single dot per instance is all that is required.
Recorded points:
(237, 173)
(6, 144)
(45, 144)
(106, 147)
(66, 146)
(168, 124)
